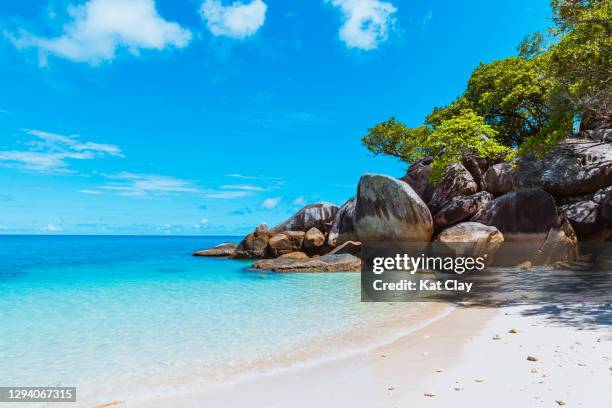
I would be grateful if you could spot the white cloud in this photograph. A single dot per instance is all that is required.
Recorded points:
(143, 185)
(99, 27)
(51, 228)
(90, 191)
(366, 22)
(227, 195)
(270, 203)
(242, 187)
(299, 201)
(49, 152)
(201, 224)
(238, 20)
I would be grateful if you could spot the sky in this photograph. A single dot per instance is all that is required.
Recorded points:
(208, 117)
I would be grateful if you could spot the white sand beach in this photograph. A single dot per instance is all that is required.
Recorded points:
(471, 357)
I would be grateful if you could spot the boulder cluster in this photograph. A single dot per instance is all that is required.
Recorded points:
(546, 204)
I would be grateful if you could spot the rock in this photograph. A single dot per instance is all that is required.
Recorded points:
(525, 265)
(605, 212)
(461, 208)
(314, 239)
(318, 215)
(522, 216)
(497, 337)
(532, 358)
(472, 239)
(560, 402)
(294, 255)
(389, 210)
(349, 247)
(254, 245)
(583, 215)
(224, 249)
(602, 195)
(599, 135)
(457, 181)
(417, 177)
(286, 242)
(343, 228)
(429, 394)
(513, 331)
(561, 245)
(326, 263)
(498, 178)
(575, 167)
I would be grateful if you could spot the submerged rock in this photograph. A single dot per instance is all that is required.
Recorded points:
(389, 210)
(318, 215)
(325, 263)
(224, 249)
(343, 227)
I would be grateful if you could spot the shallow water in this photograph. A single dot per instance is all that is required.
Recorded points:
(118, 315)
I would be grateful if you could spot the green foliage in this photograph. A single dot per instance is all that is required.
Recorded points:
(511, 95)
(461, 133)
(520, 104)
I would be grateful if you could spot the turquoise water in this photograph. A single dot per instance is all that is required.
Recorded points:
(119, 315)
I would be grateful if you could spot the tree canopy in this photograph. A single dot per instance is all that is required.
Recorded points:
(527, 102)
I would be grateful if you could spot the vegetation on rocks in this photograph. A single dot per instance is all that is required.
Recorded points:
(526, 103)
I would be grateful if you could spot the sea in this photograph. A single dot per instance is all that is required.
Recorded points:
(130, 317)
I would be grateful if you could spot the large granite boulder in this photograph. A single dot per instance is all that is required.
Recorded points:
(318, 215)
(457, 181)
(498, 178)
(471, 239)
(575, 167)
(606, 206)
(389, 210)
(343, 228)
(583, 215)
(314, 239)
(461, 208)
(526, 215)
(326, 263)
(417, 177)
(224, 249)
(288, 241)
(254, 245)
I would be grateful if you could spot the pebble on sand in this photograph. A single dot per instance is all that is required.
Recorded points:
(479, 380)
(559, 402)
(429, 394)
(497, 337)
(391, 388)
(532, 358)
(512, 331)
(534, 370)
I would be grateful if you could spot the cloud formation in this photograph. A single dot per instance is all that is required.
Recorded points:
(366, 23)
(143, 185)
(99, 27)
(238, 20)
(50, 152)
(270, 203)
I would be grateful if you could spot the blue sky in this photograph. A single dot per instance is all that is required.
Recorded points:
(208, 116)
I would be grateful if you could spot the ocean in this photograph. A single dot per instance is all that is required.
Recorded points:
(125, 317)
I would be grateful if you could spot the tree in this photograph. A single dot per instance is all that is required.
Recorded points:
(447, 142)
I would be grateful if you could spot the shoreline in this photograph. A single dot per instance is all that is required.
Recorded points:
(377, 332)
(466, 357)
